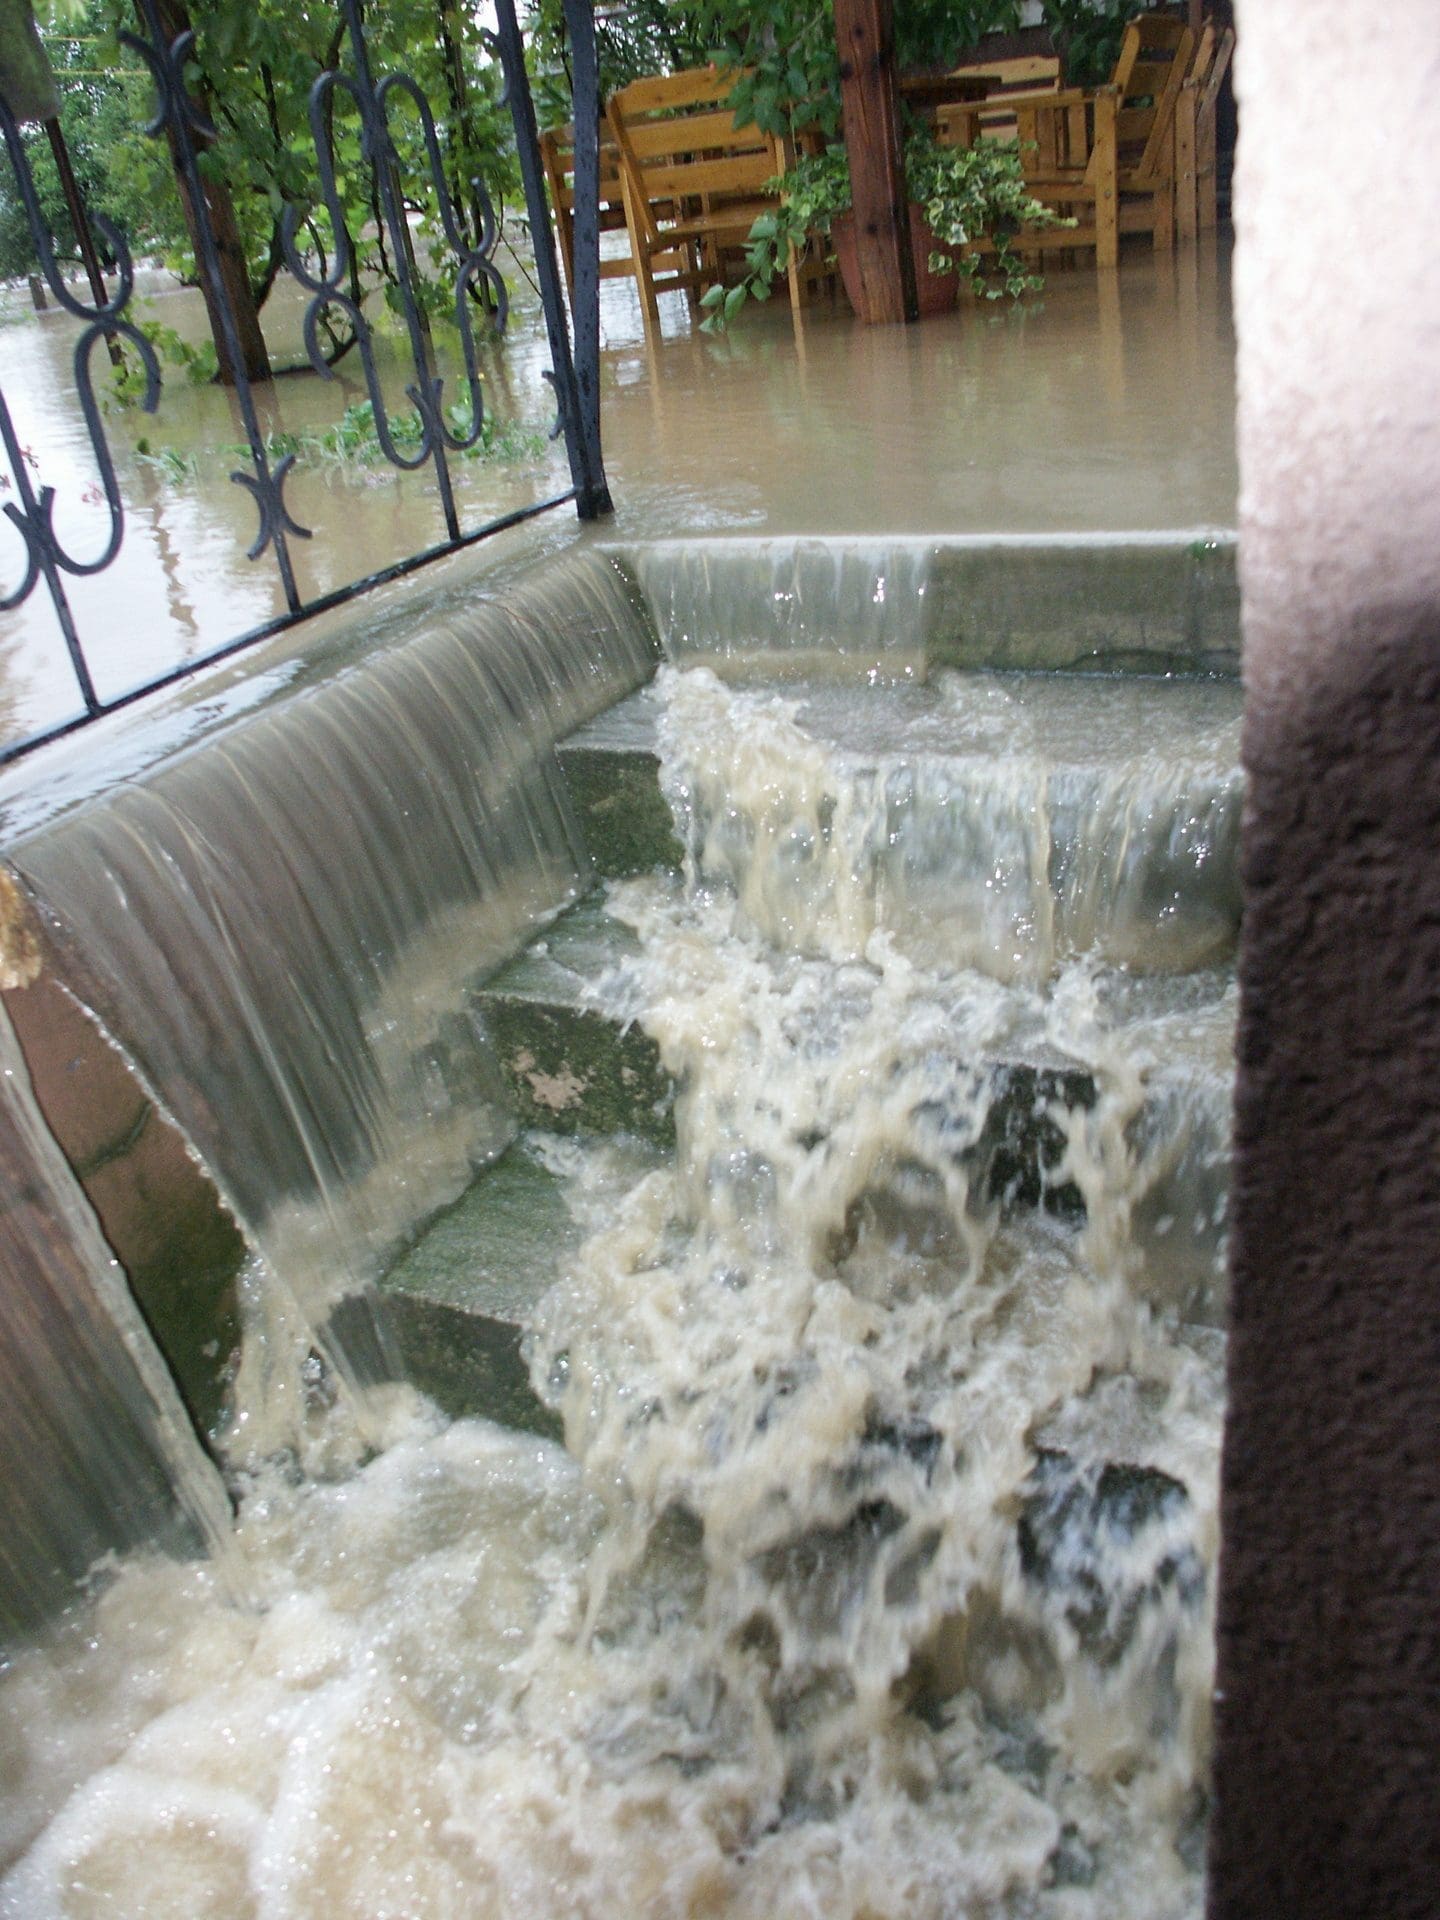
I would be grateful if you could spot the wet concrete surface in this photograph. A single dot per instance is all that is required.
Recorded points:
(1104, 405)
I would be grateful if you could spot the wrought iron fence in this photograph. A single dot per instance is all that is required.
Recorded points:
(181, 120)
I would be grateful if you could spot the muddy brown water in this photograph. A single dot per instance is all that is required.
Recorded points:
(1103, 405)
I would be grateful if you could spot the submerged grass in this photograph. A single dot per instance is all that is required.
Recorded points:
(353, 443)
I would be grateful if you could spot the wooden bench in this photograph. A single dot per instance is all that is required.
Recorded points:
(557, 157)
(1105, 159)
(692, 181)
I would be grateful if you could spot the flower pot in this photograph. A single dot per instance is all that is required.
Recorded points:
(935, 292)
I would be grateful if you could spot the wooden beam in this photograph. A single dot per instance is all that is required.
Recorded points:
(864, 37)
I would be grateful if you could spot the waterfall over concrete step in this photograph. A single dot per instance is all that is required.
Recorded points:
(1150, 603)
(1004, 822)
(876, 1567)
(278, 927)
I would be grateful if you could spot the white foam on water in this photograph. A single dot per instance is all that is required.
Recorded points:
(875, 1576)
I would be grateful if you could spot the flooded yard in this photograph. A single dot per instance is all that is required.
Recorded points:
(1102, 405)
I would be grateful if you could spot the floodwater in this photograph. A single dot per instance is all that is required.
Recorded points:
(875, 1577)
(1104, 405)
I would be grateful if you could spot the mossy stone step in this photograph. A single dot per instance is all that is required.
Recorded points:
(458, 1300)
(613, 772)
(571, 1067)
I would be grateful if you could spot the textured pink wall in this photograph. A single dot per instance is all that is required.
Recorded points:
(1337, 289)
(1328, 1717)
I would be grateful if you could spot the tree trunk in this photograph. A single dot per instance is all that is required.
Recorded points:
(234, 289)
(864, 37)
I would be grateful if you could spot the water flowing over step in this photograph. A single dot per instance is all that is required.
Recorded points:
(875, 1572)
(277, 929)
(999, 821)
(967, 801)
(1108, 603)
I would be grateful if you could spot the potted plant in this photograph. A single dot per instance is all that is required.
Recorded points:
(959, 197)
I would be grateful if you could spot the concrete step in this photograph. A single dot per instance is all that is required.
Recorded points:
(570, 1066)
(1001, 821)
(1107, 603)
(460, 1297)
(458, 1300)
(573, 1067)
(613, 772)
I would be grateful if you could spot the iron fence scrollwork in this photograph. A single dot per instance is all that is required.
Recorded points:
(180, 118)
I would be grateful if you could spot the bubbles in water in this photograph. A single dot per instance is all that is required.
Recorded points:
(875, 1576)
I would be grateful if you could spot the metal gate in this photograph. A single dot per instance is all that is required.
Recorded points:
(437, 432)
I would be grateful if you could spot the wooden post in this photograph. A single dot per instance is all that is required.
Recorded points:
(1107, 195)
(1187, 219)
(864, 37)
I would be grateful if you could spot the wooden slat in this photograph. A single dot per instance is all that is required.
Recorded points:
(1107, 207)
(1186, 184)
(743, 174)
(1125, 62)
(694, 133)
(733, 217)
(1158, 160)
(1206, 167)
(1224, 49)
(1203, 55)
(669, 92)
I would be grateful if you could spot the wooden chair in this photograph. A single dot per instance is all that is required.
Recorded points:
(557, 157)
(1195, 169)
(1107, 158)
(692, 181)
(988, 90)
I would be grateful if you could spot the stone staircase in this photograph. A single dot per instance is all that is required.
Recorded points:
(576, 1063)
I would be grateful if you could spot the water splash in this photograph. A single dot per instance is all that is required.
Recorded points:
(876, 1579)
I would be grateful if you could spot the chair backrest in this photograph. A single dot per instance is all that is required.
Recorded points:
(1026, 73)
(557, 156)
(1155, 57)
(678, 141)
(1213, 53)
(1007, 83)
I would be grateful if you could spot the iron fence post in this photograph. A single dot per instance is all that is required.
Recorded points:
(180, 115)
(577, 388)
